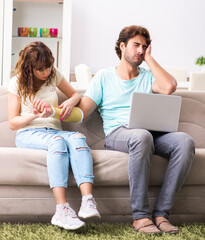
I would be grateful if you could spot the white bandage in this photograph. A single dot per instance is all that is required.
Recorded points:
(82, 116)
(54, 111)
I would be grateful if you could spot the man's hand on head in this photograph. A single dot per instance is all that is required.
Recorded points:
(148, 52)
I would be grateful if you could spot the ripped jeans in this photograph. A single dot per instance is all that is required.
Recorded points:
(63, 148)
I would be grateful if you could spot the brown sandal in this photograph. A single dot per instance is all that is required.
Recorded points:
(165, 226)
(147, 227)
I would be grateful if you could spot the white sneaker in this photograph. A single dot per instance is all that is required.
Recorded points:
(88, 208)
(66, 217)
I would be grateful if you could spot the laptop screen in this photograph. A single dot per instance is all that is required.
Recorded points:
(156, 112)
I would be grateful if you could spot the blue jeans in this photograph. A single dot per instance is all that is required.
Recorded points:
(63, 148)
(177, 147)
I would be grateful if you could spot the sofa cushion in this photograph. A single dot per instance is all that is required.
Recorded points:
(192, 116)
(28, 167)
(7, 135)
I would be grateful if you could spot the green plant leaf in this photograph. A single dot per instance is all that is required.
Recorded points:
(200, 61)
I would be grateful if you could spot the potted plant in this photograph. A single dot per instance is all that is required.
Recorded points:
(200, 61)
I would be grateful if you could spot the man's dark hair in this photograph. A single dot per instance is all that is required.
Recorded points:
(129, 32)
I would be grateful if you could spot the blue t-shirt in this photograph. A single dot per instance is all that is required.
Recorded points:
(113, 95)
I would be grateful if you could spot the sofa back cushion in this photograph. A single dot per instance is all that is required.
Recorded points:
(92, 127)
(7, 136)
(192, 116)
(192, 121)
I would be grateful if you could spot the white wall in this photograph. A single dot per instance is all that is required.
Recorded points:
(176, 27)
(1, 37)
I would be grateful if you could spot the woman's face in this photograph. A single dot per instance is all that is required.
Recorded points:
(42, 74)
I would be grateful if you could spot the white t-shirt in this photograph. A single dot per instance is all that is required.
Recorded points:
(47, 94)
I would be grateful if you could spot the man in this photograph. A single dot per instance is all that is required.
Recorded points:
(110, 91)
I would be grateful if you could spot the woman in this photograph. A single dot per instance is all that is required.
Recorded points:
(34, 85)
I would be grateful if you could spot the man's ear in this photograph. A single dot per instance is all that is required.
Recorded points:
(122, 46)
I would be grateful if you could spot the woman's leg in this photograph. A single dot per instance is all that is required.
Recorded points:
(82, 166)
(80, 159)
(58, 167)
(57, 157)
(58, 162)
(60, 196)
(86, 188)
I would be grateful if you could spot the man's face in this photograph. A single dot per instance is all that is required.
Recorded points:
(134, 52)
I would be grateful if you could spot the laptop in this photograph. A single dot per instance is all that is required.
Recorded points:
(155, 112)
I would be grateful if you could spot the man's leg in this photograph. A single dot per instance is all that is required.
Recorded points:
(179, 148)
(139, 144)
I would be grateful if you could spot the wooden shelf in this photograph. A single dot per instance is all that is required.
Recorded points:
(38, 38)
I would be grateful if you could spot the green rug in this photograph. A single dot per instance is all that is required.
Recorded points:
(105, 231)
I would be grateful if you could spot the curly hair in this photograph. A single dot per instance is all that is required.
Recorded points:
(35, 55)
(129, 32)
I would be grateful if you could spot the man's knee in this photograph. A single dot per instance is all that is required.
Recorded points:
(185, 144)
(185, 141)
(141, 138)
